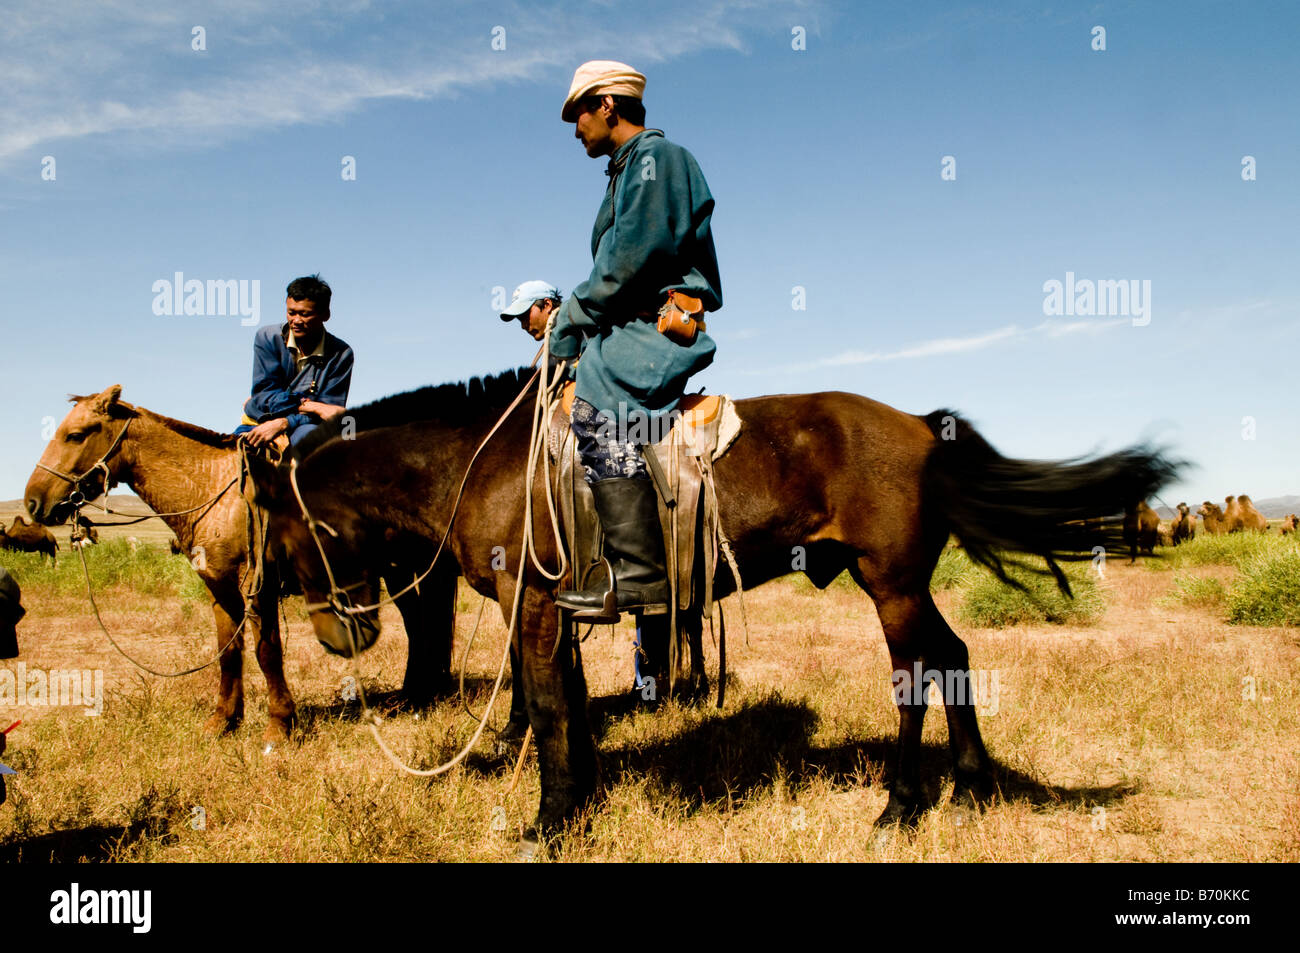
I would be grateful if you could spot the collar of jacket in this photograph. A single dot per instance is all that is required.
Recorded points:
(619, 159)
(328, 346)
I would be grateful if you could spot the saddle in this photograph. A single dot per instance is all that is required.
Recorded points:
(706, 427)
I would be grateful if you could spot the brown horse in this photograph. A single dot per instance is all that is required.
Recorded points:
(854, 483)
(174, 466)
(29, 538)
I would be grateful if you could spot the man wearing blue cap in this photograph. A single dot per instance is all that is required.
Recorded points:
(651, 242)
(532, 305)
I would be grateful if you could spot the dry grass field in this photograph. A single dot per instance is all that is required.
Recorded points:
(1154, 732)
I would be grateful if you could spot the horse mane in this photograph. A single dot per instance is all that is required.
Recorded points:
(462, 402)
(211, 438)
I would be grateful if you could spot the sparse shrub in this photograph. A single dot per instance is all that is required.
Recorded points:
(953, 570)
(1268, 590)
(992, 603)
(1232, 549)
(1196, 591)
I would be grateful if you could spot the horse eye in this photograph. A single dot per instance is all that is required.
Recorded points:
(76, 437)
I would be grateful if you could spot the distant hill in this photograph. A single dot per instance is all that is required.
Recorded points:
(1274, 508)
(126, 503)
(124, 506)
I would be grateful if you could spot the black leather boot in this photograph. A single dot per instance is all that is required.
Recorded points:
(634, 545)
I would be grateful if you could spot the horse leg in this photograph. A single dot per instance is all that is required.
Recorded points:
(902, 616)
(652, 656)
(556, 694)
(429, 615)
(691, 680)
(517, 725)
(972, 768)
(229, 613)
(265, 620)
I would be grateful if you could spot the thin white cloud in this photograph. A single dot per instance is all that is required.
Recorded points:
(948, 345)
(128, 69)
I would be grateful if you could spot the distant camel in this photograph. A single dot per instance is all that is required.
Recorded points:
(1231, 514)
(1249, 518)
(1212, 519)
(1289, 524)
(1141, 530)
(1184, 525)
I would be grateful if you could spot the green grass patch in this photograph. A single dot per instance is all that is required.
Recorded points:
(1232, 549)
(991, 603)
(1196, 592)
(145, 568)
(953, 570)
(1268, 590)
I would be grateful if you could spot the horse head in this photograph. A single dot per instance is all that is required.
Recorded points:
(82, 458)
(330, 556)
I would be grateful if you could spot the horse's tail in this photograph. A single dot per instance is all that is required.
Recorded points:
(1059, 510)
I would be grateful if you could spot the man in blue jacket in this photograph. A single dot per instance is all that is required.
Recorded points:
(301, 372)
(652, 236)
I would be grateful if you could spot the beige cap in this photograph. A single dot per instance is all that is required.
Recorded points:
(603, 77)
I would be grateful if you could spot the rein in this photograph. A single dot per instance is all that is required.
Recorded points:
(527, 553)
(312, 523)
(85, 569)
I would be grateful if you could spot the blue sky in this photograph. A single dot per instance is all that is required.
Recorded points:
(1122, 164)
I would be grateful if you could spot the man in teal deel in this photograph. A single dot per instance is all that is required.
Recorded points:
(652, 236)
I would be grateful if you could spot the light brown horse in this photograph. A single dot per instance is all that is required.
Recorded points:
(173, 467)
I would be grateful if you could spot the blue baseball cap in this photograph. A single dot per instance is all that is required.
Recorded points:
(524, 297)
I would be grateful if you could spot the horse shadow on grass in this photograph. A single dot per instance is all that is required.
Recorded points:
(738, 754)
(72, 845)
(152, 817)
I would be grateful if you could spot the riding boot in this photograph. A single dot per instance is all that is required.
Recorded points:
(634, 544)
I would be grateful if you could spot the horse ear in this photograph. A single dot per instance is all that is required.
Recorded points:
(108, 398)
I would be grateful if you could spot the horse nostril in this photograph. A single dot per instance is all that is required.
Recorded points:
(34, 509)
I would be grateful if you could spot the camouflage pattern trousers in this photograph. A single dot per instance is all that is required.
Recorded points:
(605, 454)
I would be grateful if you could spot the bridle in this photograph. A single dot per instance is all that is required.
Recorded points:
(77, 497)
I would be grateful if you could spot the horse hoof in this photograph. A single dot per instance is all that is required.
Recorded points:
(514, 730)
(529, 847)
(219, 724)
(881, 838)
(971, 794)
(277, 735)
(898, 812)
(962, 814)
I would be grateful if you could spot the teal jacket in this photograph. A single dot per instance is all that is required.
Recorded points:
(651, 236)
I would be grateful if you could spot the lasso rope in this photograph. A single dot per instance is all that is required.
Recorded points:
(85, 568)
(527, 553)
